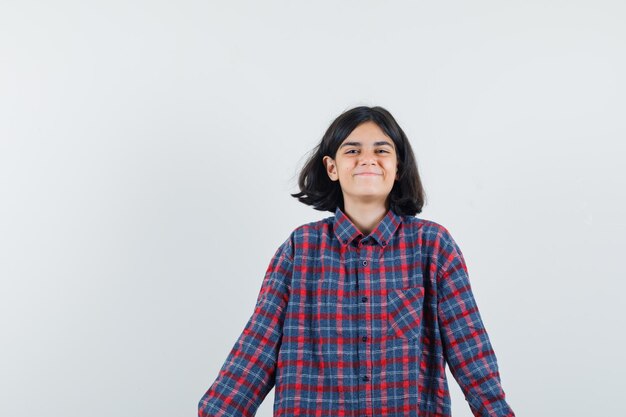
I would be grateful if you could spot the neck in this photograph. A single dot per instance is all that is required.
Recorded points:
(365, 216)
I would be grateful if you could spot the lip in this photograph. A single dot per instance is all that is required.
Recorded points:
(367, 173)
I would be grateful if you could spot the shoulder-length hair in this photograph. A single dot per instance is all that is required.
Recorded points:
(407, 196)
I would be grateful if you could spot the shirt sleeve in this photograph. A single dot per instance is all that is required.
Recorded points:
(248, 374)
(466, 345)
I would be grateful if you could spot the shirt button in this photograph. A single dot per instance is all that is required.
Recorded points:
(384, 242)
(364, 338)
(366, 378)
(364, 263)
(364, 299)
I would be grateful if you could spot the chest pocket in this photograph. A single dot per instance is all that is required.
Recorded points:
(404, 312)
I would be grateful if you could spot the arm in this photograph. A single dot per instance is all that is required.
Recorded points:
(466, 345)
(248, 374)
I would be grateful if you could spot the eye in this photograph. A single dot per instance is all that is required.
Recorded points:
(350, 150)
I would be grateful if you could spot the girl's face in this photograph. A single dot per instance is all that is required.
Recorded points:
(366, 165)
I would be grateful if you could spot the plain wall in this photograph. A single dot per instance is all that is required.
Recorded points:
(148, 149)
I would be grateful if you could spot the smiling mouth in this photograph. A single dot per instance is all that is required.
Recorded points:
(368, 174)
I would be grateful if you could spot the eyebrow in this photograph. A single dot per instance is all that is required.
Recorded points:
(379, 143)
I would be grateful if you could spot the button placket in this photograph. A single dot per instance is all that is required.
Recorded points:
(364, 266)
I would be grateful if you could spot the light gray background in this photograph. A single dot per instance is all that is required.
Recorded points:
(148, 149)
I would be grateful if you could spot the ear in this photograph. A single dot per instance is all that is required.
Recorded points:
(331, 168)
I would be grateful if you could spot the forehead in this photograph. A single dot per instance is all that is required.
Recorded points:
(367, 134)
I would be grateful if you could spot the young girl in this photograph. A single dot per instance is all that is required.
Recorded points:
(359, 313)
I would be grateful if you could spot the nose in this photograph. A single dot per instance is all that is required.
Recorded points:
(367, 157)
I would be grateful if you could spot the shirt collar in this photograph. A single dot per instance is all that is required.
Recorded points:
(346, 231)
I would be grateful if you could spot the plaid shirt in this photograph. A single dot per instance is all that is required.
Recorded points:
(361, 326)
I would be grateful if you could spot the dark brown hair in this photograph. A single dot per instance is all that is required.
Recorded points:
(407, 196)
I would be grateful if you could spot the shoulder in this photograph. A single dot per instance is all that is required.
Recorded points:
(428, 230)
(312, 230)
(304, 235)
(436, 240)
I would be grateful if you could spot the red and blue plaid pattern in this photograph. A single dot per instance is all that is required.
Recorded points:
(361, 326)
